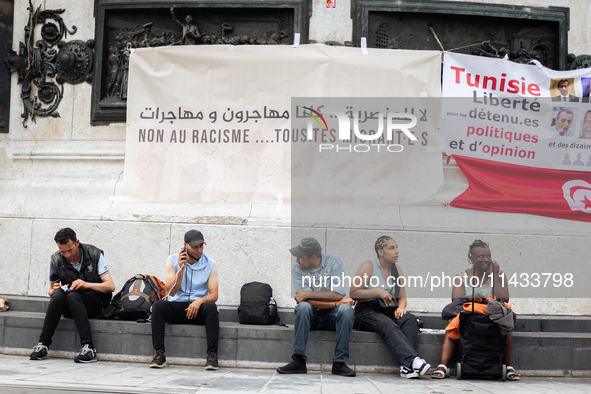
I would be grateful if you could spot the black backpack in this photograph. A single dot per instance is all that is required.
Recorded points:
(257, 305)
(135, 299)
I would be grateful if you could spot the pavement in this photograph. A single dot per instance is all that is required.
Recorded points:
(19, 375)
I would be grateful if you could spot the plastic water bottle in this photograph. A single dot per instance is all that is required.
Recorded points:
(273, 310)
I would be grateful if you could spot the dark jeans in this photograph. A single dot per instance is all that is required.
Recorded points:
(79, 305)
(175, 313)
(401, 335)
(339, 319)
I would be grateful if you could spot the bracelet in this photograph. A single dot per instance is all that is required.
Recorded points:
(335, 304)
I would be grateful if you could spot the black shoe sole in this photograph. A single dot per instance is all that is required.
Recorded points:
(291, 372)
(38, 358)
(345, 374)
(94, 360)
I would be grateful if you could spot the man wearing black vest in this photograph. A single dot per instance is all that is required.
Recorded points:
(80, 288)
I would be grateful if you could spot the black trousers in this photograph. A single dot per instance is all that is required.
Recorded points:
(401, 335)
(79, 305)
(175, 313)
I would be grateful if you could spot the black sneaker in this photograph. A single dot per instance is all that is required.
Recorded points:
(409, 373)
(39, 352)
(159, 360)
(212, 362)
(297, 365)
(340, 368)
(87, 355)
(421, 366)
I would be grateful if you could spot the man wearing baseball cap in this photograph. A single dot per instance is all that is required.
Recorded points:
(192, 288)
(322, 305)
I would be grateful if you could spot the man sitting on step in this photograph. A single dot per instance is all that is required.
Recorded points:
(80, 288)
(321, 306)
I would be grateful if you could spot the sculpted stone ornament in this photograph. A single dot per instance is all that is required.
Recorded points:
(75, 60)
(190, 31)
(121, 26)
(43, 69)
(578, 62)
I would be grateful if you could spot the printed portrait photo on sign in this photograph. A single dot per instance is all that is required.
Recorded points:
(586, 126)
(563, 90)
(562, 120)
(586, 88)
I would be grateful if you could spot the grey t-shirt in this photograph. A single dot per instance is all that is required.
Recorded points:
(328, 277)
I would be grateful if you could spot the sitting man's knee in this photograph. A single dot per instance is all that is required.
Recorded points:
(304, 308)
(158, 306)
(73, 296)
(345, 310)
(58, 296)
(209, 307)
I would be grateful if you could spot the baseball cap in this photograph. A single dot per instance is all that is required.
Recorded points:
(306, 247)
(194, 238)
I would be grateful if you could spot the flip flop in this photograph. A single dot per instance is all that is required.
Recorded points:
(511, 374)
(438, 374)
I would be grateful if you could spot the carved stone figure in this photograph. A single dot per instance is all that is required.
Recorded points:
(113, 69)
(124, 72)
(190, 31)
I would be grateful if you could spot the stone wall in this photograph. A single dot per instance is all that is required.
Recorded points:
(61, 172)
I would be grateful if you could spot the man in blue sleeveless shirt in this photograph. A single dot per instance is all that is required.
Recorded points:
(322, 305)
(192, 282)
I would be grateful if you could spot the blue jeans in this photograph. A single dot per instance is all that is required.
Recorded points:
(339, 319)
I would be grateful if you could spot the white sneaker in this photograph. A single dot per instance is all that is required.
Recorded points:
(408, 373)
(420, 366)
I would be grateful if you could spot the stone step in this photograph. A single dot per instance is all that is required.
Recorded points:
(524, 323)
(542, 353)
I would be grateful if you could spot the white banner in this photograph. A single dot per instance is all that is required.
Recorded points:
(516, 113)
(212, 123)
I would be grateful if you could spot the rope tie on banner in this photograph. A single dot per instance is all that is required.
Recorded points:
(473, 45)
(455, 49)
(437, 38)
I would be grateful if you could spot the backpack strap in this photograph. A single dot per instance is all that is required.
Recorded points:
(394, 273)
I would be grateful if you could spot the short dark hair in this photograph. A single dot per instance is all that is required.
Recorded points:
(563, 81)
(381, 242)
(64, 235)
(566, 111)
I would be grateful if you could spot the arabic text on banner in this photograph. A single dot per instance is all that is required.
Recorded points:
(213, 123)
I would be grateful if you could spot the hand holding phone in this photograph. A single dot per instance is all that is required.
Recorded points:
(183, 258)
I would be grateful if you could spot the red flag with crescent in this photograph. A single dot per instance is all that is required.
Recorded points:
(502, 187)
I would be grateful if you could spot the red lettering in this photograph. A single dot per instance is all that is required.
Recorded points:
(533, 89)
(513, 86)
(476, 80)
(458, 71)
(493, 83)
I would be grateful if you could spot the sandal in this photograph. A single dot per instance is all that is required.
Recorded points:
(511, 374)
(439, 374)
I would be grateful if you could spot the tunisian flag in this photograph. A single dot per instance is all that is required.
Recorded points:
(503, 187)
